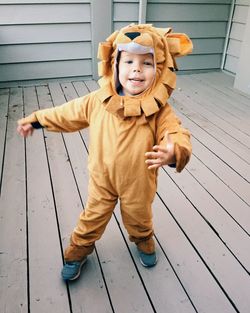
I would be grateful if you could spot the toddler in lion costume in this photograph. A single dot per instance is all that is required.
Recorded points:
(133, 131)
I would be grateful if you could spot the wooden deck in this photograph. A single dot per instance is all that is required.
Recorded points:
(202, 216)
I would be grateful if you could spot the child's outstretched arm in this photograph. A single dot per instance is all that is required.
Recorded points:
(161, 155)
(69, 117)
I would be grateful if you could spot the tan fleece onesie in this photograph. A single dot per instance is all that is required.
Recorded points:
(122, 130)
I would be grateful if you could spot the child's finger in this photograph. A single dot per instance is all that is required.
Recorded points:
(152, 155)
(160, 148)
(154, 166)
(153, 161)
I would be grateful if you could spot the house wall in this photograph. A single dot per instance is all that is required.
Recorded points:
(236, 35)
(242, 78)
(45, 39)
(205, 21)
(50, 39)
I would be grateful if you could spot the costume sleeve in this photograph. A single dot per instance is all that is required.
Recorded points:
(69, 117)
(168, 121)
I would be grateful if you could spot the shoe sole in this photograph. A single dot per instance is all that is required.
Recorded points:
(146, 265)
(79, 272)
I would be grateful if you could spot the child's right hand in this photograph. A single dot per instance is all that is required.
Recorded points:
(25, 130)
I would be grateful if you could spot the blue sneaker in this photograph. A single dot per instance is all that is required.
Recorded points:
(147, 260)
(72, 270)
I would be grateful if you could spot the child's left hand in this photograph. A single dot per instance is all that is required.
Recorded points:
(161, 155)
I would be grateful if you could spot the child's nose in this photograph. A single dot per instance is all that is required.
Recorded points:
(137, 68)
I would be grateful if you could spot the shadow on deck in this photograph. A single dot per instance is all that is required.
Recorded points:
(201, 216)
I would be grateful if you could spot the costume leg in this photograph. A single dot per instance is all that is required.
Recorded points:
(136, 211)
(93, 220)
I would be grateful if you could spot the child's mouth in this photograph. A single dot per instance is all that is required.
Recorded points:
(136, 81)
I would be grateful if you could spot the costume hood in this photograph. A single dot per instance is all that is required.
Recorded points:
(165, 46)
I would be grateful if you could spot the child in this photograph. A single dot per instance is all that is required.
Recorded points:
(133, 131)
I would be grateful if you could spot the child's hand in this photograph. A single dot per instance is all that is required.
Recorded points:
(161, 155)
(25, 130)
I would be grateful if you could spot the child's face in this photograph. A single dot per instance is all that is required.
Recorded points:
(136, 72)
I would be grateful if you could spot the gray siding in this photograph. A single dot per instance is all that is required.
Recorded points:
(45, 39)
(125, 12)
(236, 35)
(50, 39)
(205, 21)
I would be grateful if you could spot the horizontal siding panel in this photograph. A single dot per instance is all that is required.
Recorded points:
(197, 29)
(128, 1)
(191, 1)
(207, 46)
(44, 13)
(237, 31)
(44, 33)
(187, 12)
(234, 47)
(240, 14)
(236, 36)
(44, 52)
(126, 12)
(43, 1)
(243, 2)
(199, 62)
(45, 70)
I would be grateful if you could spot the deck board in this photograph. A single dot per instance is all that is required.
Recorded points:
(45, 255)
(13, 253)
(215, 106)
(201, 217)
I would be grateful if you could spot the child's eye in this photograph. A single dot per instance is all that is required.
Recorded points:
(148, 63)
(129, 61)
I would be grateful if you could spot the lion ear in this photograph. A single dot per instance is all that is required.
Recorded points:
(179, 44)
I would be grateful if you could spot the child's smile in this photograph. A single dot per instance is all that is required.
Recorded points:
(136, 72)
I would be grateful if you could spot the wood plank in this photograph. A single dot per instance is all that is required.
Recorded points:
(223, 172)
(224, 111)
(221, 151)
(163, 285)
(223, 100)
(183, 256)
(221, 218)
(211, 112)
(13, 253)
(224, 83)
(125, 287)
(4, 102)
(232, 278)
(237, 208)
(187, 106)
(69, 204)
(45, 255)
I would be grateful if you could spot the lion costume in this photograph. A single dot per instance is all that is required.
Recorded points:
(122, 129)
